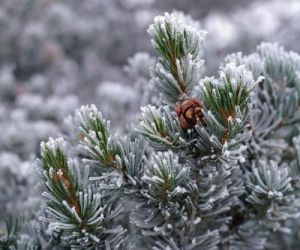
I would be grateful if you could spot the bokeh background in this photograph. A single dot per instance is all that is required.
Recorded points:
(56, 55)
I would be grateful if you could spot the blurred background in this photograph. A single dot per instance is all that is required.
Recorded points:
(58, 54)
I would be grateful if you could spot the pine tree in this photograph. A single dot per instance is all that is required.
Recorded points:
(215, 164)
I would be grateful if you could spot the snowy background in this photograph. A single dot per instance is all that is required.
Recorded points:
(58, 54)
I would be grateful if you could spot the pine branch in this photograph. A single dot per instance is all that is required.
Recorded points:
(96, 138)
(72, 205)
(271, 193)
(276, 100)
(160, 126)
(9, 238)
(54, 162)
(178, 40)
(229, 100)
(124, 156)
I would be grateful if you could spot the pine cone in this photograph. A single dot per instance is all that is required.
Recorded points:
(189, 113)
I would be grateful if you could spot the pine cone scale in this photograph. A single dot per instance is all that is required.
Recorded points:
(189, 113)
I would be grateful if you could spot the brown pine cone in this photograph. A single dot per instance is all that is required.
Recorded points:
(189, 113)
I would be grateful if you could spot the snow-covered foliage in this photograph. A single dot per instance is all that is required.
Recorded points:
(185, 160)
(269, 21)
